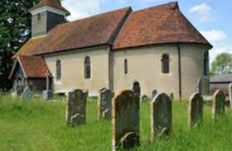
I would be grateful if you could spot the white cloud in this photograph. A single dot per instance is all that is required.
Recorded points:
(219, 48)
(218, 39)
(203, 11)
(82, 8)
(215, 35)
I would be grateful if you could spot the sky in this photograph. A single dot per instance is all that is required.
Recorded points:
(213, 18)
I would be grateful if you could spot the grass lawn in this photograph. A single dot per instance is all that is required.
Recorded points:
(40, 126)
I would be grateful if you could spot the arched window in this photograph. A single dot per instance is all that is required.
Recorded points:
(58, 70)
(165, 63)
(206, 64)
(125, 66)
(87, 68)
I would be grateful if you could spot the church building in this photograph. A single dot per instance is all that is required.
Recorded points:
(156, 47)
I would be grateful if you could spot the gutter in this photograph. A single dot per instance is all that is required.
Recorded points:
(179, 71)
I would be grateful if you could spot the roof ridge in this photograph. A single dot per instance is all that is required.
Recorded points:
(89, 17)
(172, 5)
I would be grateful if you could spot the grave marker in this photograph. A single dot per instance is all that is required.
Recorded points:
(230, 93)
(76, 107)
(105, 104)
(27, 94)
(154, 93)
(161, 116)
(125, 123)
(218, 107)
(195, 109)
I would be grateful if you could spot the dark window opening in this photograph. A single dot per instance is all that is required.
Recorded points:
(125, 66)
(87, 68)
(165, 63)
(58, 70)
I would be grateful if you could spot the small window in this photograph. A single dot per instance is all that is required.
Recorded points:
(206, 64)
(58, 70)
(165, 63)
(87, 68)
(125, 66)
(39, 17)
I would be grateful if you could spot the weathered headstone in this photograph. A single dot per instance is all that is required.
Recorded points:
(218, 106)
(161, 116)
(136, 89)
(195, 109)
(144, 98)
(47, 94)
(199, 86)
(125, 114)
(230, 93)
(105, 104)
(172, 96)
(76, 107)
(27, 94)
(154, 93)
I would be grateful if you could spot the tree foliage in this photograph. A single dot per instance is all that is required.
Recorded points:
(15, 27)
(222, 64)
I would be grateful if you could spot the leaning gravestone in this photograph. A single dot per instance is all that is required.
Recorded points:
(105, 104)
(76, 107)
(230, 93)
(27, 94)
(172, 96)
(137, 89)
(161, 116)
(125, 114)
(154, 93)
(199, 86)
(195, 109)
(218, 107)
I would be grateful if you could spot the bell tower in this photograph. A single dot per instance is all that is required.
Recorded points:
(45, 16)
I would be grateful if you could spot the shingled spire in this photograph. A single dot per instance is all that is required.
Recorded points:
(46, 15)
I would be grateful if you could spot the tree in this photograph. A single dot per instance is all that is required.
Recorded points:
(222, 64)
(15, 30)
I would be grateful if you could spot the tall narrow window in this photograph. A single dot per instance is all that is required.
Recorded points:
(58, 70)
(125, 66)
(165, 63)
(87, 68)
(206, 64)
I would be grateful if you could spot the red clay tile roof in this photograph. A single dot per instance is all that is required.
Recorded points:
(87, 32)
(29, 47)
(163, 24)
(50, 3)
(33, 66)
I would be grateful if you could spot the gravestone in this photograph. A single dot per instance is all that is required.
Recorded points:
(161, 116)
(125, 114)
(154, 93)
(144, 98)
(199, 86)
(76, 107)
(27, 94)
(195, 109)
(47, 94)
(218, 107)
(230, 93)
(105, 104)
(172, 96)
(136, 89)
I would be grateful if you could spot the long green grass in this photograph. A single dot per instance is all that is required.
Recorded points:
(40, 126)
